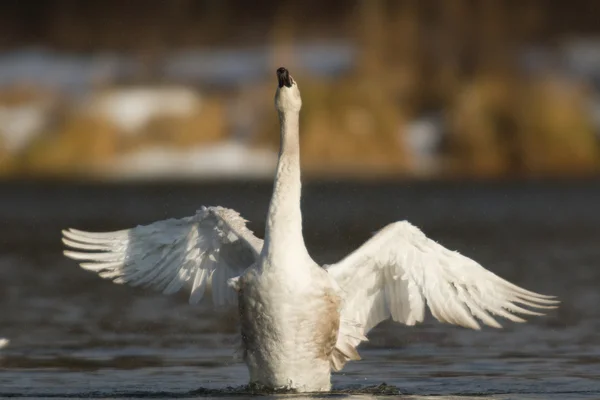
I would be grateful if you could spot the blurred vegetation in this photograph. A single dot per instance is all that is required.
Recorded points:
(458, 58)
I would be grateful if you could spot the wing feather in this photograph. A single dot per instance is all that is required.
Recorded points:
(201, 252)
(399, 270)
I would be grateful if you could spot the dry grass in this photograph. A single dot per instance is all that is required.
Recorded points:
(507, 126)
(459, 57)
(499, 125)
(79, 142)
(208, 125)
(556, 133)
(8, 163)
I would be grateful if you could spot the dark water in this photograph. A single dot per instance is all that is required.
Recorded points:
(75, 335)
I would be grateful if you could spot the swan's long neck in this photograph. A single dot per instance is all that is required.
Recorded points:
(284, 221)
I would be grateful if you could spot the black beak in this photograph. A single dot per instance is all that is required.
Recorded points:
(283, 76)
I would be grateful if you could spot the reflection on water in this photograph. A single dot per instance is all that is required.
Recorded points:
(74, 335)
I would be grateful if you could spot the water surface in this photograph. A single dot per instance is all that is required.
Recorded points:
(74, 335)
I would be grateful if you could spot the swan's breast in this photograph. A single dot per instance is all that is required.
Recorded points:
(288, 333)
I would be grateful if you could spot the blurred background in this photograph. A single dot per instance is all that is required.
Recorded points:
(476, 120)
(413, 88)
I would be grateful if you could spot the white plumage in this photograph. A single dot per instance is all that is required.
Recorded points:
(399, 271)
(300, 321)
(204, 250)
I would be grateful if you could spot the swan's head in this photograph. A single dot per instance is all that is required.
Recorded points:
(287, 97)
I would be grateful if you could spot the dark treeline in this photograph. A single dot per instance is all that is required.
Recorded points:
(132, 24)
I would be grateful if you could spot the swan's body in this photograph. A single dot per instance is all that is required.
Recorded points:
(298, 320)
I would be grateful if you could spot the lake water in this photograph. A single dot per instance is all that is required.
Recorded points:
(73, 335)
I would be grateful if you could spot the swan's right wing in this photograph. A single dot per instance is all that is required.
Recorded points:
(201, 251)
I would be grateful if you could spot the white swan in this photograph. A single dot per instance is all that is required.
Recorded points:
(299, 321)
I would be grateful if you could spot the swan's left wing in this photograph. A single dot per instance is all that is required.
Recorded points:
(398, 271)
(200, 252)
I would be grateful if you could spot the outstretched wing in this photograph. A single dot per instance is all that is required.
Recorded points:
(201, 251)
(398, 271)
